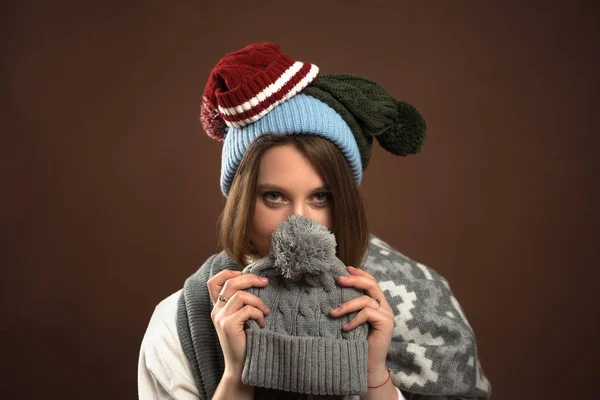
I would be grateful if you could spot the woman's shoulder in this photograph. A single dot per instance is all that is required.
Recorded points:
(163, 369)
(161, 334)
(404, 278)
(385, 261)
(166, 309)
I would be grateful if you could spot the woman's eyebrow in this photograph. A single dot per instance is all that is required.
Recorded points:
(324, 188)
(270, 187)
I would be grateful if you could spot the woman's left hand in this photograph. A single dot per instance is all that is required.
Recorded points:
(378, 314)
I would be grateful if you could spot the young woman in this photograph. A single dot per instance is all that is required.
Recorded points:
(296, 143)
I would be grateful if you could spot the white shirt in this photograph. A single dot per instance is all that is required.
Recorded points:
(163, 369)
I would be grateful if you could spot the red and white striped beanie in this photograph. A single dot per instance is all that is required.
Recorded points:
(245, 85)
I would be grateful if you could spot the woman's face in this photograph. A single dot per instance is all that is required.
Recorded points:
(287, 185)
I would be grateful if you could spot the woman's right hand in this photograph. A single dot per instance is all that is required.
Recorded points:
(230, 315)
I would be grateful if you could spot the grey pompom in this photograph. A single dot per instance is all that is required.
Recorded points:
(302, 248)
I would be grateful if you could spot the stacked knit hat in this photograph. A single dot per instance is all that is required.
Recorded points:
(259, 90)
(302, 349)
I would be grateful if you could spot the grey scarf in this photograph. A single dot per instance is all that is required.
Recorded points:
(433, 353)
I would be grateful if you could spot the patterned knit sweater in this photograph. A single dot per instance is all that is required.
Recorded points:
(433, 354)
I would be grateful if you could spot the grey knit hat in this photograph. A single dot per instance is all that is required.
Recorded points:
(302, 349)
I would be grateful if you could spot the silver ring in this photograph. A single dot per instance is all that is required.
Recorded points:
(223, 299)
(378, 304)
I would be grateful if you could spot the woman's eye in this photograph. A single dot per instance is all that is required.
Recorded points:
(272, 197)
(322, 197)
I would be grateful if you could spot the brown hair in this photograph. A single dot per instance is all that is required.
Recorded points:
(349, 219)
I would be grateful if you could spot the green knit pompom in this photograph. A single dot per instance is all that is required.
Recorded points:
(407, 134)
(371, 112)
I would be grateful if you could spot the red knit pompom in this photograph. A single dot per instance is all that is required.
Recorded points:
(211, 120)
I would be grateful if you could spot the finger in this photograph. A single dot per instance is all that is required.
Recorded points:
(242, 282)
(244, 314)
(355, 304)
(359, 272)
(370, 286)
(215, 284)
(378, 320)
(241, 299)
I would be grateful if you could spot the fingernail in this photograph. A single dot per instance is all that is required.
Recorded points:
(264, 279)
(334, 310)
(343, 278)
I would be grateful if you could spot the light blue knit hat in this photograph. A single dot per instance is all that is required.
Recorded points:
(302, 114)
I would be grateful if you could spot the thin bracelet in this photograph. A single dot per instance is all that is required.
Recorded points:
(386, 381)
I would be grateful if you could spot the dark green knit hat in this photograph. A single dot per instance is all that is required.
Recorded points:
(371, 112)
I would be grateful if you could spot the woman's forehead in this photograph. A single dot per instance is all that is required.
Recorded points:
(284, 167)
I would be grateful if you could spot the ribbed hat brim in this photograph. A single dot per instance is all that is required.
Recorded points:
(311, 365)
(300, 115)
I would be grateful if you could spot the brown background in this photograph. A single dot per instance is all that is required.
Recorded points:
(109, 188)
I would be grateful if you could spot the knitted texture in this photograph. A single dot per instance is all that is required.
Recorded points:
(302, 349)
(248, 90)
(192, 310)
(433, 350)
(371, 112)
(299, 115)
(246, 84)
